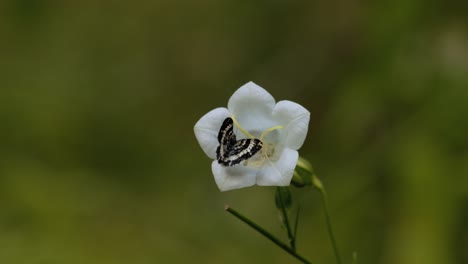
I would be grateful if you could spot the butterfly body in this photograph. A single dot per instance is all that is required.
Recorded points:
(231, 151)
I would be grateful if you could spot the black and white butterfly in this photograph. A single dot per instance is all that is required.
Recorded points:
(231, 151)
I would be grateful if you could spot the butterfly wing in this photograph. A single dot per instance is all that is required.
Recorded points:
(242, 150)
(231, 151)
(226, 138)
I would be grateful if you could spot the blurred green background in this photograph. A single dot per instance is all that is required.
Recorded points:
(98, 99)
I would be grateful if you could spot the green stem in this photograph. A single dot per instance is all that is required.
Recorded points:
(296, 223)
(265, 233)
(327, 217)
(292, 241)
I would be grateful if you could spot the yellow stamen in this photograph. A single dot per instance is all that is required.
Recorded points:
(245, 132)
(240, 128)
(268, 131)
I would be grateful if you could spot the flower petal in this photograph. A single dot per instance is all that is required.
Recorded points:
(252, 107)
(235, 177)
(295, 119)
(279, 173)
(207, 129)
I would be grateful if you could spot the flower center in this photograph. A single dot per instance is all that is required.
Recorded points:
(268, 150)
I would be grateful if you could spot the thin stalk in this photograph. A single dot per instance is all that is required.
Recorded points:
(319, 186)
(297, 222)
(266, 234)
(329, 225)
(292, 240)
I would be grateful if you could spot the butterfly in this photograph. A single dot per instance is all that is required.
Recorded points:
(231, 151)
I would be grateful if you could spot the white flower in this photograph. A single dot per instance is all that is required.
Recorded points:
(282, 127)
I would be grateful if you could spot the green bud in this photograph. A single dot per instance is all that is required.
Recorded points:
(317, 183)
(303, 173)
(303, 163)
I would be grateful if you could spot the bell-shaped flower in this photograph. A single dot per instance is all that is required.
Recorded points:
(281, 128)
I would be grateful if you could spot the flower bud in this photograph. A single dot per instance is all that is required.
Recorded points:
(303, 173)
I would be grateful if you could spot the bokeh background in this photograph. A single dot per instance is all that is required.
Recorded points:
(98, 99)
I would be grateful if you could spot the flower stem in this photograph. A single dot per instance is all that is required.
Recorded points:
(297, 222)
(267, 234)
(291, 238)
(319, 186)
